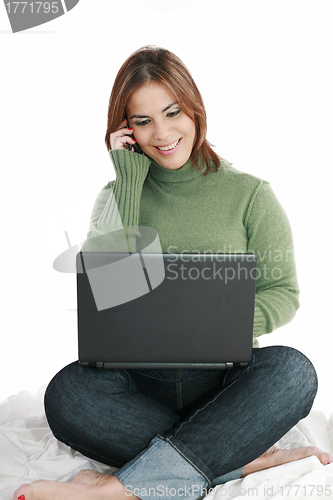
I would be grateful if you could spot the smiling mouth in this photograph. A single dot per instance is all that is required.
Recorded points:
(168, 148)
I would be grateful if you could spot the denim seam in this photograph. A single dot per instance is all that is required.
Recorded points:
(245, 369)
(226, 375)
(74, 446)
(182, 454)
(200, 409)
(178, 390)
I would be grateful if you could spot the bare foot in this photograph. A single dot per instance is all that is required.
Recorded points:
(276, 456)
(87, 476)
(87, 485)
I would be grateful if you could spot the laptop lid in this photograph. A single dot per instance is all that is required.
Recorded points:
(165, 310)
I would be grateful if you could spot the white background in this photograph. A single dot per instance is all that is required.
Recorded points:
(264, 69)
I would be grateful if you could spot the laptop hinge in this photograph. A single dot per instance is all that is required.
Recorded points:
(106, 365)
(218, 366)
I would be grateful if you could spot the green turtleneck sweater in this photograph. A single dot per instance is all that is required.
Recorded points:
(224, 212)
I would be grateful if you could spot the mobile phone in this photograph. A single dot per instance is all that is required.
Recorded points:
(135, 146)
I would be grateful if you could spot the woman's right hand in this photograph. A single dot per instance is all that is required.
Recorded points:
(120, 139)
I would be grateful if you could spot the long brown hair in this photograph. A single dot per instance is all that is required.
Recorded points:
(159, 65)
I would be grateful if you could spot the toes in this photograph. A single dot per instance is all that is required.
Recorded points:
(23, 493)
(325, 458)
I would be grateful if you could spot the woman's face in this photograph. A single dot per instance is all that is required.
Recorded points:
(162, 130)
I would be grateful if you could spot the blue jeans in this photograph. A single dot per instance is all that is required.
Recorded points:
(173, 433)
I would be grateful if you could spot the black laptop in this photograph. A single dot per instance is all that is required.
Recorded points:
(155, 310)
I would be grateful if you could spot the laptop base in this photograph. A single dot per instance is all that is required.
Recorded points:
(161, 366)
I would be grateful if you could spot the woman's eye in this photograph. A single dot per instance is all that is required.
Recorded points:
(174, 113)
(145, 122)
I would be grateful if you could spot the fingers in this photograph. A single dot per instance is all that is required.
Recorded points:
(121, 142)
(120, 139)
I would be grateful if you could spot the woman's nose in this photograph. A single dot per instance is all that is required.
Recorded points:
(161, 131)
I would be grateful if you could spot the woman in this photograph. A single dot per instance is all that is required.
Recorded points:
(173, 433)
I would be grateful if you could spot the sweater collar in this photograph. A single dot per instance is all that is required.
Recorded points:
(184, 173)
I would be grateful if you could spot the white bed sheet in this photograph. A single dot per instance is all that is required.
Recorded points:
(29, 451)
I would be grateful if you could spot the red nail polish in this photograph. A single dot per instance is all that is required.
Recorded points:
(22, 497)
(133, 139)
(130, 129)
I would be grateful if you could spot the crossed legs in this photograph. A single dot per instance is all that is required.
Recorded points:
(195, 432)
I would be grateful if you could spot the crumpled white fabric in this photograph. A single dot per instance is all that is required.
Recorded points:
(29, 451)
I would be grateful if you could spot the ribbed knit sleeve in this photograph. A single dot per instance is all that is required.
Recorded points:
(115, 215)
(270, 238)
